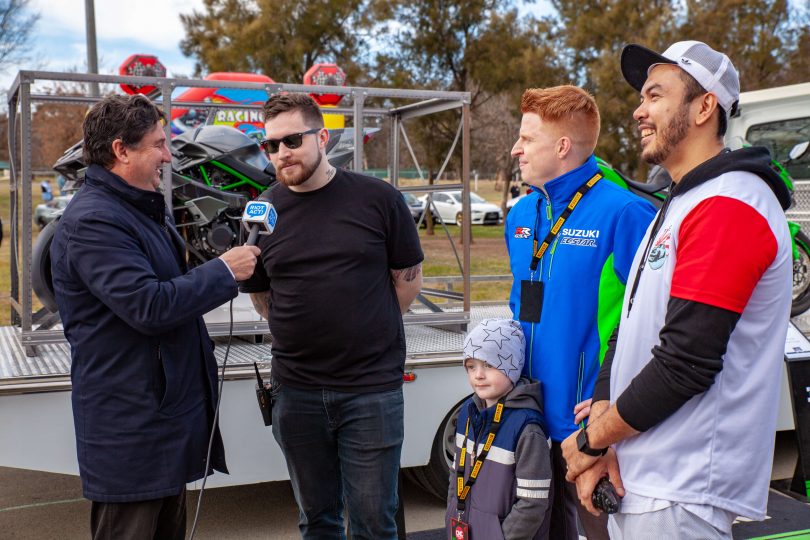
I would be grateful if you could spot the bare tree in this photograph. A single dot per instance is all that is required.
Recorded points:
(497, 123)
(56, 126)
(16, 24)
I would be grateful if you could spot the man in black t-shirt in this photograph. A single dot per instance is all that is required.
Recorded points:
(342, 265)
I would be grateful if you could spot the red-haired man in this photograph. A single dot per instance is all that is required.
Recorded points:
(571, 243)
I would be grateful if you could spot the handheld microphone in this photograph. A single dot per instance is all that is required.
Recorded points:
(259, 217)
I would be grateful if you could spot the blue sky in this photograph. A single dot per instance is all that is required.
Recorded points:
(123, 27)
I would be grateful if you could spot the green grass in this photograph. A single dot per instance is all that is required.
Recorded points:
(478, 231)
(5, 249)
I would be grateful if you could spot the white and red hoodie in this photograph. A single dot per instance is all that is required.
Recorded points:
(698, 360)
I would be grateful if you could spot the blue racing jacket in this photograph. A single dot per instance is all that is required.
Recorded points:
(584, 273)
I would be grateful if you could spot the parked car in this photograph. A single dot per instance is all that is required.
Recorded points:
(46, 212)
(417, 208)
(448, 204)
(514, 200)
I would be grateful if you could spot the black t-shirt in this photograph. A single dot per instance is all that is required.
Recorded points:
(333, 310)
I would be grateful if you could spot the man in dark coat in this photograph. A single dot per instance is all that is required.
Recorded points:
(143, 369)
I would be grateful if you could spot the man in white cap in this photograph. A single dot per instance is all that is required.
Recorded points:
(686, 402)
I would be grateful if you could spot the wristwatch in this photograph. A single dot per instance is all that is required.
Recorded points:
(585, 448)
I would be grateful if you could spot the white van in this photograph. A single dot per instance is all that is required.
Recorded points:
(778, 118)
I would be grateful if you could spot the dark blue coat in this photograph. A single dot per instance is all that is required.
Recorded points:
(143, 368)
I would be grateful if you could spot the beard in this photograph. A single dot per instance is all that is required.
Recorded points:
(305, 171)
(668, 137)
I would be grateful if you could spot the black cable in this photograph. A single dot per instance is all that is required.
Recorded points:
(216, 418)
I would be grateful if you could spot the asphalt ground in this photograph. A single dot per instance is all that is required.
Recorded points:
(36, 505)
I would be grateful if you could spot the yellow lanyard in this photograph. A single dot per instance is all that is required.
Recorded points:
(462, 488)
(552, 234)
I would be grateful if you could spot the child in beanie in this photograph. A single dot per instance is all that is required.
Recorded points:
(500, 488)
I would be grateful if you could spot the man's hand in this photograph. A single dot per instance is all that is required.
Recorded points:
(241, 260)
(606, 465)
(582, 410)
(588, 409)
(576, 461)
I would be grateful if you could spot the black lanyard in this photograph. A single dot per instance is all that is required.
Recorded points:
(659, 222)
(555, 229)
(462, 489)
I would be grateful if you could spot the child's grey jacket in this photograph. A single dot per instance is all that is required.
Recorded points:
(510, 499)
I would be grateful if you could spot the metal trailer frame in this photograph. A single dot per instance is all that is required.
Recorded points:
(21, 98)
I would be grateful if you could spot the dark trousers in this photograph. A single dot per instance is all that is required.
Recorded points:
(565, 506)
(156, 519)
(341, 446)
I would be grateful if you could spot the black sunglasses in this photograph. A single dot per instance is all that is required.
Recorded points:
(270, 146)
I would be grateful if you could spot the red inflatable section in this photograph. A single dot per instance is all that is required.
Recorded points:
(203, 94)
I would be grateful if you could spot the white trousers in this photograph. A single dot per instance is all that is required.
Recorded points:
(670, 523)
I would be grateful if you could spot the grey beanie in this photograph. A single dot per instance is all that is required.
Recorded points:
(500, 343)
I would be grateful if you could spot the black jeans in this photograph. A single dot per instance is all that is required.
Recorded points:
(156, 519)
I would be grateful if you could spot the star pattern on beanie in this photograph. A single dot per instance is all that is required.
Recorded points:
(507, 369)
(518, 333)
(498, 340)
(500, 343)
(472, 348)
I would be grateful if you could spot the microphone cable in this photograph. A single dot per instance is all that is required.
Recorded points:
(216, 409)
(216, 419)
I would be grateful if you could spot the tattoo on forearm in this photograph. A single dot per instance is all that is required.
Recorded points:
(408, 274)
(261, 302)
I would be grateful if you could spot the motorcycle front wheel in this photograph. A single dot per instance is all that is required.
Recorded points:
(801, 276)
(41, 278)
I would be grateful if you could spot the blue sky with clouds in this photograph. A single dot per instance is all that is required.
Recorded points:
(123, 27)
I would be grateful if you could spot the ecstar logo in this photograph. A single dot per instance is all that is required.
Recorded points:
(579, 237)
(568, 241)
(523, 232)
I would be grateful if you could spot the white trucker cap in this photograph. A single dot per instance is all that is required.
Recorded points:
(711, 69)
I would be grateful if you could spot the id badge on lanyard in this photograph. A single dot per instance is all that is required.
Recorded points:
(459, 530)
(531, 301)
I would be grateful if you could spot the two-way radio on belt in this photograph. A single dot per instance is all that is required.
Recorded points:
(259, 217)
